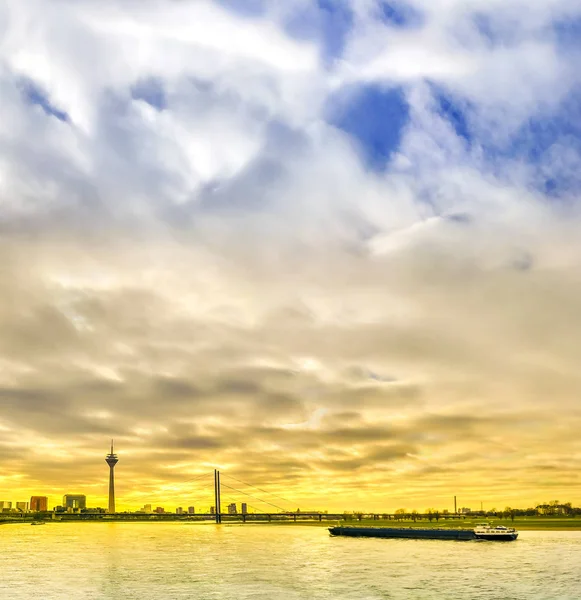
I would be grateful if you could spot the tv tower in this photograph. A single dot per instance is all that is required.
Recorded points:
(111, 460)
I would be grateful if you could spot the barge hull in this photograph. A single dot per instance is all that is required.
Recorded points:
(404, 533)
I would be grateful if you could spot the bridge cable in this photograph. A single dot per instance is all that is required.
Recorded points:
(255, 497)
(257, 488)
(148, 495)
(198, 477)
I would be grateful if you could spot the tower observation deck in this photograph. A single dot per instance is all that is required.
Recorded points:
(111, 459)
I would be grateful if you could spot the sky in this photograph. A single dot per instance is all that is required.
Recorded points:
(329, 247)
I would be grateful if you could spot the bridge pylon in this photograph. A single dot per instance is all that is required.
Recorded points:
(217, 506)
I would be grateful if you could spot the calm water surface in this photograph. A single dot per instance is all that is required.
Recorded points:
(156, 561)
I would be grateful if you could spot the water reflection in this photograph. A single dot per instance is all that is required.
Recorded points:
(156, 561)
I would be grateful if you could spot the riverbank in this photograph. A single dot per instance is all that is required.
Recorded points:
(521, 524)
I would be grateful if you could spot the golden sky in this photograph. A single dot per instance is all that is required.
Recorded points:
(227, 243)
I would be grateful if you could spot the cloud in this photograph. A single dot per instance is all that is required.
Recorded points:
(329, 249)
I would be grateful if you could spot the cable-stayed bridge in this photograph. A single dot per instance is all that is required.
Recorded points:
(228, 491)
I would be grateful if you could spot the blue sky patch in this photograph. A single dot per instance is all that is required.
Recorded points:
(541, 133)
(568, 34)
(35, 95)
(488, 29)
(550, 141)
(453, 111)
(496, 30)
(399, 14)
(326, 21)
(375, 117)
(150, 91)
(336, 22)
(244, 8)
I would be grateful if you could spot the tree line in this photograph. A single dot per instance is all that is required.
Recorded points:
(548, 509)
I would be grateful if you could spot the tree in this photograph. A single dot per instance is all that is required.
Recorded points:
(509, 512)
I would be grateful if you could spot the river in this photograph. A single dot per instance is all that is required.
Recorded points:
(175, 561)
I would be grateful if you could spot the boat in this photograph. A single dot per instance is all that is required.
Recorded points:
(412, 533)
(37, 523)
(481, 532)
(485, 531)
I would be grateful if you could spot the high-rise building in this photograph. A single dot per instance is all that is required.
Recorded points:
(212, 510)
(244, 508)
(146, 508)
(111, 459)
(38, 503)
(232, 509)
(191, 510)
(74, 501)
(179, 510)
(5, 505)
(22, 506)
(159, 509)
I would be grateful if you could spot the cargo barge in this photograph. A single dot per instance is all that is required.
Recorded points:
(481, 532)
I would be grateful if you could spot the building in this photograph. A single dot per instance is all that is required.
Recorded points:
(111, 459)
(159, 510)
(179, 510)
(232, 509)
(212, 510)
(191, 510)
(74, 501)
(5, 506)
(38, 503)
(464, 510)
(22, 506)
(146, 508)
(244, 508)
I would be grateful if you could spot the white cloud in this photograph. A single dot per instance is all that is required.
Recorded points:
(521, 75)
(224, 77)
(191, 253)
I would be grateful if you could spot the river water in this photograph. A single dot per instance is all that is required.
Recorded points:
(175, 561)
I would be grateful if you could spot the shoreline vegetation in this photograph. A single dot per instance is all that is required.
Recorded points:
(521, 524)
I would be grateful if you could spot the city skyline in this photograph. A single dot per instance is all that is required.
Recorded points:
(330, 248)
(78, 504)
